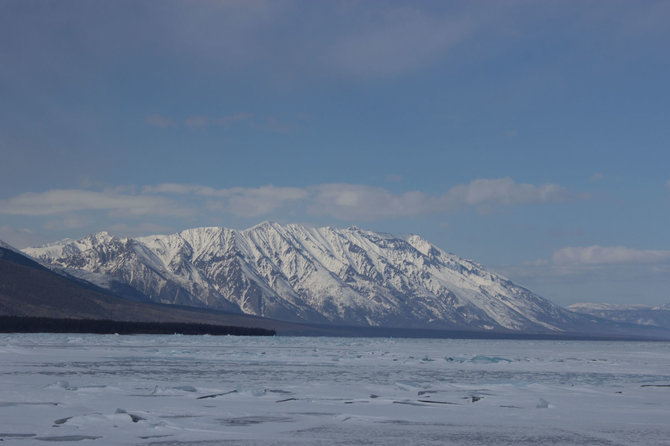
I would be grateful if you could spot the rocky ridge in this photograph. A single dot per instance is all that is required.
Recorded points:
(319, 275)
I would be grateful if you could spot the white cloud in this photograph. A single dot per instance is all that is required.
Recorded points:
(505, 192)
(253, 202)
(242, 201)
(338, 200)
(355, 201)
(598, 176)
(360, 202)
(615, 274)
(667, 184)
(581, 262)
(351, 201)
(600, 255)
(184, 189)
(59, 201)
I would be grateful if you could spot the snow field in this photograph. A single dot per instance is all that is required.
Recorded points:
(179, 390)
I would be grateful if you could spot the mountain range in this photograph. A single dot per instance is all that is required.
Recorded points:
(310, 275)
(28, 289)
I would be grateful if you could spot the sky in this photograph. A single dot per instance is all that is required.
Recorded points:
(530, 136)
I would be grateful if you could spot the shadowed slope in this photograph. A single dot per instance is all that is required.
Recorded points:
(28, 289)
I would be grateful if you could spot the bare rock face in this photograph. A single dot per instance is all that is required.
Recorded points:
(322, 275)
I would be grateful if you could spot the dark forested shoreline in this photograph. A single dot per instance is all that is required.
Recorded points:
(18, 324)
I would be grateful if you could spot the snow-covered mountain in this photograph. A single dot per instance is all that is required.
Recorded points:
(297, 273)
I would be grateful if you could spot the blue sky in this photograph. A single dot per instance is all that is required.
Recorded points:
(530, 136)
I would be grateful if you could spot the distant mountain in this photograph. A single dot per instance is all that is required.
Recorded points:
(650, 316)
(28, 289)
(315, 275)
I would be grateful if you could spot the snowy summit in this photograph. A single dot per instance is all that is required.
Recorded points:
(297, 273)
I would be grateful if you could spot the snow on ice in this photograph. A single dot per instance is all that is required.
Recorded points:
(187, 390)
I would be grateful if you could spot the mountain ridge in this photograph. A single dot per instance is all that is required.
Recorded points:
(306, 274)
(30, 290)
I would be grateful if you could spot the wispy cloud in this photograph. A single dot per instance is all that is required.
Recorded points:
(183, 189)
(242, 201)
(350, 201)
(489, 193)
(254, 202)
(345, 201)
(61, 201)
(342, 201)
(597, 273)
(355, 201)
(603, 255)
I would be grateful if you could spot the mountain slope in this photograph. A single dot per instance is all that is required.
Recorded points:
(29, 289)
(317, 275)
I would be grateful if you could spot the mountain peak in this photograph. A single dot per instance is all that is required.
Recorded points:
(100, 237)
(201, 230)
(421, 245)
(267, 224)
(293, 272)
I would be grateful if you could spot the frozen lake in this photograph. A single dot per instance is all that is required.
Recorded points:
(200, 390)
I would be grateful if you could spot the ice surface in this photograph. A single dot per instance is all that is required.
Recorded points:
(187, 390)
